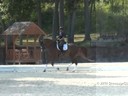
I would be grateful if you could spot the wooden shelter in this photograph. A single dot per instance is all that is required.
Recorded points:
(21, 43)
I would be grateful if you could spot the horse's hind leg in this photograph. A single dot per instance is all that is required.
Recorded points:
(75, 67)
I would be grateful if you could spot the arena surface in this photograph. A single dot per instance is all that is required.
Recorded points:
(90, 79)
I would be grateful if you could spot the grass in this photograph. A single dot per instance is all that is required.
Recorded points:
(79, 39)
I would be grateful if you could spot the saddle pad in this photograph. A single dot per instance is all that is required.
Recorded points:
(65, 47)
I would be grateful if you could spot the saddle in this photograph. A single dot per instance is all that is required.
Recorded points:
(62, 45)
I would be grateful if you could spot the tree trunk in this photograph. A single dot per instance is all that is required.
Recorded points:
(55, 25)
(71, 26)
(72, 16)
(92, 16)
(39, 14)
(87, 20)
(61, 13)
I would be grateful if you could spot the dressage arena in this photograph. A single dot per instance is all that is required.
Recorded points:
(90, 79)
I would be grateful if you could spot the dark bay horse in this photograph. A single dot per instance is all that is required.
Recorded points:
(52, 53)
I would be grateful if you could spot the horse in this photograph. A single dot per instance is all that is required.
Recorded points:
(51, 52)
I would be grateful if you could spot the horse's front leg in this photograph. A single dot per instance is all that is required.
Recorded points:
(69, 66)
(56, 68)
(45, 68)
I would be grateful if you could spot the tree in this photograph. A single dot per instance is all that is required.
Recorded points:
(55, 24)
(16, 10)
(87, 20)
(39, 13)
(71, 8)
(58, 17)
(20, 10)
(61, 13)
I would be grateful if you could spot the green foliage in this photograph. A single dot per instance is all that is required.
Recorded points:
(47, 20)
(111, 15)
(16, 10)
(47, 13)
(79, 27)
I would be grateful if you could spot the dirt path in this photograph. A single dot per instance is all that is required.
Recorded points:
(90, 80)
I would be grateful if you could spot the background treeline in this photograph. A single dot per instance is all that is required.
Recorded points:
(76, 16)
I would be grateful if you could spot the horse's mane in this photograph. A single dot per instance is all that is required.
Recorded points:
(49, 42)
(49, 39)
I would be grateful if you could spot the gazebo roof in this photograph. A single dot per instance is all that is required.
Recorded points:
(24, 28)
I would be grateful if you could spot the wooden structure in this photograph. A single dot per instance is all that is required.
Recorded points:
(21, 43)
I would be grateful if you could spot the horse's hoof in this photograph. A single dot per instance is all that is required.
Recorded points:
(44, 70)
(67, 69)
(74, 71)
(58, 69)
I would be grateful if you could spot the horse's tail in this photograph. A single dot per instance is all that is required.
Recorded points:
(83, 54)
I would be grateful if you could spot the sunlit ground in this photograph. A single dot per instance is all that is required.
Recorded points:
(90, 79)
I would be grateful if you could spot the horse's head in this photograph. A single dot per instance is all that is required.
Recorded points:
(50, 51)
(44, 41)
(41, 40)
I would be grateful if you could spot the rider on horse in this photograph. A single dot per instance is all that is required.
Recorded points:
(61, 33)
(61, 37)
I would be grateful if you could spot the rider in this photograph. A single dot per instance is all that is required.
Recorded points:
(61, 33)
(61, 37)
